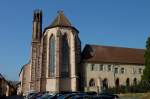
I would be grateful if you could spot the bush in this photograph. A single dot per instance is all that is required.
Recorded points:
(142, 87)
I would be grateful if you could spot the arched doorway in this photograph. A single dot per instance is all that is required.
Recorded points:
(117, 82)
(128, 82)
(92, 83)
(134, 81)
(105, 83)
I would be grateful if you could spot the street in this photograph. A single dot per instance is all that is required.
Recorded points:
(15, 97)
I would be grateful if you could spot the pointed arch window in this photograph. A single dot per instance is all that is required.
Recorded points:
(65, 57)
(52, 56)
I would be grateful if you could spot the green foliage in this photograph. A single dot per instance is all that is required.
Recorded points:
(142, 87)
(146, 72)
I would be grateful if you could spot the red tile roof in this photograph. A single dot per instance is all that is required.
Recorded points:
(108, 54)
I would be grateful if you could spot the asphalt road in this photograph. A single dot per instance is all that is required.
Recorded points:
(14, 97)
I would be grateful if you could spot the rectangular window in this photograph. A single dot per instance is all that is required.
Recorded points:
(109, 67)
(116, 70)
(101, 67)
(92, 67)
(122, 70)
(140, 70)
(134, 70)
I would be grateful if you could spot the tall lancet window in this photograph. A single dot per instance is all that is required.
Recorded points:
(65, 57)
(51, 57)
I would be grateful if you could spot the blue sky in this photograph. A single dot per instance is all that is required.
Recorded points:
(124, 23)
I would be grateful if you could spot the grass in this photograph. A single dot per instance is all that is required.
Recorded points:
(135, 96)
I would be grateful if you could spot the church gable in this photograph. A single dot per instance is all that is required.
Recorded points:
(61, 21)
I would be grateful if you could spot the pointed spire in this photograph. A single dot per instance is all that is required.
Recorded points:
(60, 20)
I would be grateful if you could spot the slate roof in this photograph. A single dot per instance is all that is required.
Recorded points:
(61, 21)
(109, 54)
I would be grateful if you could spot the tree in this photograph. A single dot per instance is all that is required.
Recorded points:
(146, 72)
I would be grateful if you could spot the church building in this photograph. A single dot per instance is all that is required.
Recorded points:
(57, 63)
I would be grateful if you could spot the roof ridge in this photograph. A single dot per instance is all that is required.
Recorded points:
(60, 20)
(111, 54)
(115, 46)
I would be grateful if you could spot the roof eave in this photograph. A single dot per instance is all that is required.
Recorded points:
(100, 62)
(49, 27)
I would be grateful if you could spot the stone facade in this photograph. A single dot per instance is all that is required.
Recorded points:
(56, 63)
(24, 78)
(6, 88)
(36, 51)
(106, 66)
(37, 74)
(114, 74)
(52, 83)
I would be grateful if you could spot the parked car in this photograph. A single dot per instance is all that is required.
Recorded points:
(69, 95)
(91, 93)
(107, 95)
(29, 94)
(46, 96)
(37, 95)
(62, 94)
(78, 96)
(103, 97)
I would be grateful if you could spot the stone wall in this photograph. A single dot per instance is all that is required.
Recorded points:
(113, 76)
(74, 45)
(6, 89)
(25, 76)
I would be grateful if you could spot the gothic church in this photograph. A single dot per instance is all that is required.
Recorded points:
(57, 64)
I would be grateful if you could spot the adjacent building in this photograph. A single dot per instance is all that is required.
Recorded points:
(107, 66)
(6, 87)
(57, 63)
(24, 79)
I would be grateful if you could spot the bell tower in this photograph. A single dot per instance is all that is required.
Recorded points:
(36, 47)
(37, 25)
